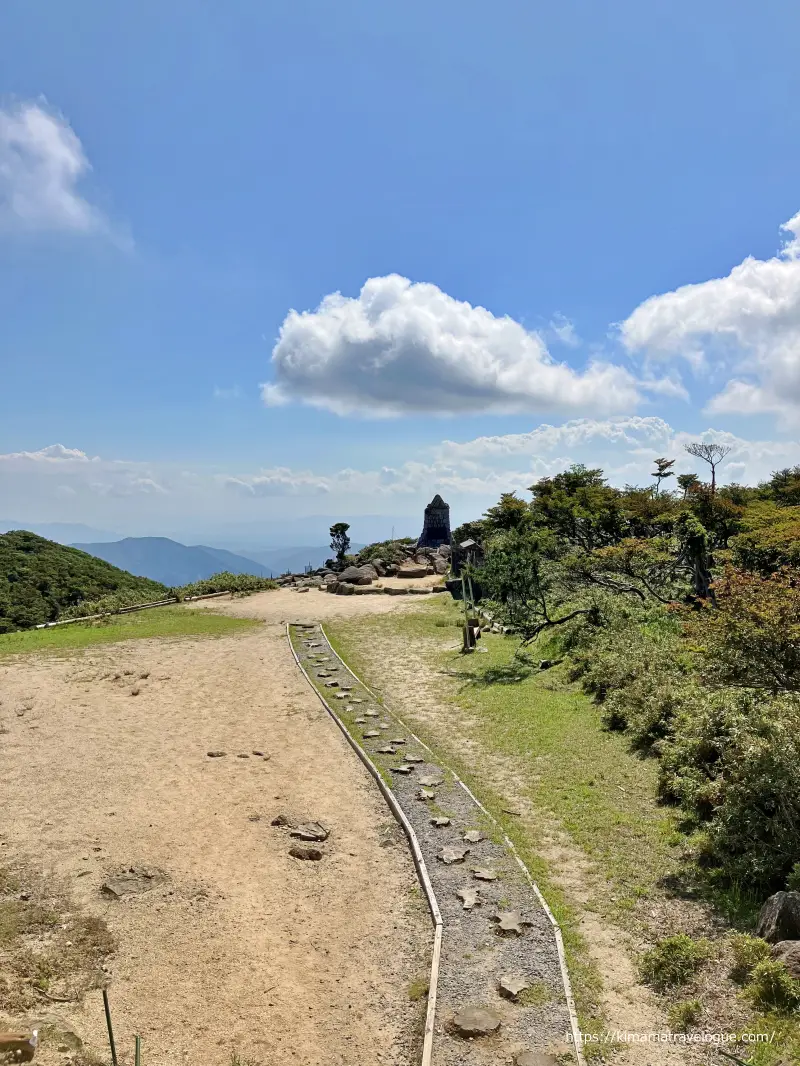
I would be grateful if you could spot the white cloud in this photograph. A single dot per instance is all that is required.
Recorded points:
(746, 324)
(279, 481)
(403, 348)
(41, 165)
(563, 331)
(53, 453)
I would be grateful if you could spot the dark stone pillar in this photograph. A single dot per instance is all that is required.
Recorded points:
(436, 527)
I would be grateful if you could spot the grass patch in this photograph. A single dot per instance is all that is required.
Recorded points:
(537, 995)
(673, 961)
(173, 621)
(418, 989)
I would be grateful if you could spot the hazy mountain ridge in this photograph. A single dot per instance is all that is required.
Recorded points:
(169, 562)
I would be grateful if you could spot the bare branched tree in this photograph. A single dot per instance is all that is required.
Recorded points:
(713, 454)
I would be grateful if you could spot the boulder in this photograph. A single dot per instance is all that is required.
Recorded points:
(780, 918)
(410, 569)
(332, 586)
(396, 592)
(344, 589)
(440, 564)
(368, 570)
(353, 575)
(788, 952)
(380, 566)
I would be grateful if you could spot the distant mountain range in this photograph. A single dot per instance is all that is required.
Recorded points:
(169, 562)
(61, 532)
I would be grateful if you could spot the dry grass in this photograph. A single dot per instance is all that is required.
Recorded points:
(49, 950)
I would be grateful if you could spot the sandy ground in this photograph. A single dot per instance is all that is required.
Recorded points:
(243, 949)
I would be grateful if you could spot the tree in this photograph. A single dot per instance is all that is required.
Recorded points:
(713, 454)
(663, 471)
(689, 483)
(340, 542)
(510, 513)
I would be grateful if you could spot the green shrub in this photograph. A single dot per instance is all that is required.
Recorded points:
(673, 961)
(685, 1015)
(225, 582)
(390, 551)
(733, 763)
(772, 988)
(748, 952)
(793, 880)
(771, 546)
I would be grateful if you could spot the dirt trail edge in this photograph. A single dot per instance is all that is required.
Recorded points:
(503, 991)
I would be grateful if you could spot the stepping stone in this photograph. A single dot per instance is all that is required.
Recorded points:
(347, 686)
(385, 750)
(469, 897)
(510, 986)
(242, 755)
(476, 1021)
(397, 740)
(341, 695)
(216, 754)
(301, 851)
(414, 758)
(311, 831)
(510, 922)
(426, 794)
(357, 699)
(331, 684)
(358, 721)
(440, 823)
(534, 1058)
(473, 836)
(383, 725)
(431, 782)
(483, 873)
(369, 714)
(402, 769)
(370, 733)
(350, 707)
(451, 855)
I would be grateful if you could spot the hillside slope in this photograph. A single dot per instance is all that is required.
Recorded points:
(167, 561)
(39, 579)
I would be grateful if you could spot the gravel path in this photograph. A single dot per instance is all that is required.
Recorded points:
(495, 929)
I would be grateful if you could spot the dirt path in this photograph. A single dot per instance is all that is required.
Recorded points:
(243, 949)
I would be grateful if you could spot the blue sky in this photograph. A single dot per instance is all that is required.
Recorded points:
(518, 180)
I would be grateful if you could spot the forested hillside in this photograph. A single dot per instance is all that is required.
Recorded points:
(40, 581)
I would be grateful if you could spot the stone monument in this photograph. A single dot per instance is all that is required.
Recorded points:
(436, 527)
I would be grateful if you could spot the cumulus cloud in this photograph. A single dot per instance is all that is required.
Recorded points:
(42, 163)
(279, 481)
(746, 324)
(53, 453)
(403, 348)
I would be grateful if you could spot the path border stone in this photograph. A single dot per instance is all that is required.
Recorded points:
(416, 851)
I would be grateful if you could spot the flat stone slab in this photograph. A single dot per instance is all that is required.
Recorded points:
(132, 882)
(510, 922)
(402, 769)
(483, 873)
(358, 721)
(216, 754)
(431, 782)
(331, 684)
(470, 897)
(369, 714)
(473, 836)
(534, 1058)
(397, 740)
(426, 794)
(476, 1021)
(510, 985)
(370, 733)
(414, 758)
(387, 750)
(311, 831)
(450, 855)
(440, 823)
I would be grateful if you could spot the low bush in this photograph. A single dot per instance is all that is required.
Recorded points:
(225, 582)
(772, 988)
(747, 952)
(673, 961)
(685, 1015)
(390, 551)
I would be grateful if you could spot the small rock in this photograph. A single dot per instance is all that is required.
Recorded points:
(440, 823)
(469, 897)
(430, 782)
(135, 690)
(311, 831)
(369, 714)
(341, 695)
(426, 794)
(370, 733)
(476, 1021)
(300, 851)
(259, 753)
(242, 755)
(384, 725)
(483, 873)
(332, 684)
(788, 952)
(414, 758)
(452, 855)
(280, 820)
(510, 986)
(473, 836)
(358, 721)
(397, 740)
(402, 769)
(387, 750)
(216, 754)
